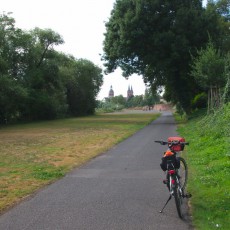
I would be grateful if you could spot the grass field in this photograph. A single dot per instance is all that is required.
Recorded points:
(208, 159)
(33, 155)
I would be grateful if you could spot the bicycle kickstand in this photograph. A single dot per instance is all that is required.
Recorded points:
(170, 197)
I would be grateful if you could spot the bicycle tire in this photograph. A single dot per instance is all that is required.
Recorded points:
(183, 173)
(178, 200)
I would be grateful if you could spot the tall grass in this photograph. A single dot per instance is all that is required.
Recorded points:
(208, 157)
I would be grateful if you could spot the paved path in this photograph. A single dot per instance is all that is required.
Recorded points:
(119, 190)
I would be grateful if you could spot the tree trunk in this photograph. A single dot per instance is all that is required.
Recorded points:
(214, 98)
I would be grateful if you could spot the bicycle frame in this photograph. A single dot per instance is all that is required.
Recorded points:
(174, 182)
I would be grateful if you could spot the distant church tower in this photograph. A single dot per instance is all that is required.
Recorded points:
(111, 92)
(130, 92)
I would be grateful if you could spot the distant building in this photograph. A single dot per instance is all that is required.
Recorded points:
(111, 92)
(130, 92)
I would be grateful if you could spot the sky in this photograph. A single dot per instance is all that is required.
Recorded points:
(81, 23)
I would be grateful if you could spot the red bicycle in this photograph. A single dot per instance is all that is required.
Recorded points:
(176, 171)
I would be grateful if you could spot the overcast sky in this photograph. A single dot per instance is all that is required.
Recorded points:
(81, 23)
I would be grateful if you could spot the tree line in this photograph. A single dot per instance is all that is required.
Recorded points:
(179, 45)
(117, 103)
(37, 82)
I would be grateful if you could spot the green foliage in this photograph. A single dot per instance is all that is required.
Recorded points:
(44, 105)
(217, 124)
(208, 67)
(223, 8)
(180, 117)
(152, 38)
(135, 101)
(164, 57)
(151, 97)
(217, 16)
(226, 95)
(120, 100)
(179, 110)
(12, 98)
(200, 101)
(38, 82)
(118, 103)
(83, 88)
(209, 165)
(47, 99)
(112, 104)
(211, 71)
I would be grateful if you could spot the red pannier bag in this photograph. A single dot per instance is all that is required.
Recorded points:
(179, 147)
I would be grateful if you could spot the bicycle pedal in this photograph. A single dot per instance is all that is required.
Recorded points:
(188, 195)
(165, 181)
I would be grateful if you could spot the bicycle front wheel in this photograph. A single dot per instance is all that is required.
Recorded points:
(183, 173)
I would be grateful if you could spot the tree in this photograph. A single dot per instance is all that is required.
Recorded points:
(218, 20)
(7, 30)
(151, 97)
(37, 82)
(134, 101)
(47, 97)
(46, 38)
(118, 100)
(13, 94)
(222, 7)
(226, 95)
(47, 92)
(83, 87)
(208, 69)
(156, 38)
(12, 98)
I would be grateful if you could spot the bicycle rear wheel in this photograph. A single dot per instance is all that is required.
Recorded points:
(178, 199)
(183, 173)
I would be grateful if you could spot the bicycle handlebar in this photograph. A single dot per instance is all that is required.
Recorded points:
(172, 142)
(162, 142)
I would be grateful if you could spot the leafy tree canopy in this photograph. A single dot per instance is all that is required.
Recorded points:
(156, 39)
(83, 87)
(37, 82)
(209, 67)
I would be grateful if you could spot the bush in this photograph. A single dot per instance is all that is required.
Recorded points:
(200, 101)
(108, 107)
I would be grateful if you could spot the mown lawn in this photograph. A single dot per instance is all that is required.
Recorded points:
(33, 155)
(208, 157)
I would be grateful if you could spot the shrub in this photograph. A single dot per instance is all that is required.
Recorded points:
(200, 101)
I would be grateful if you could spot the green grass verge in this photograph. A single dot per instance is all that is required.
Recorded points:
(33, 155)
(208, 157)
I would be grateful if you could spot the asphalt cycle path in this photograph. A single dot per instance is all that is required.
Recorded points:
(121, 189)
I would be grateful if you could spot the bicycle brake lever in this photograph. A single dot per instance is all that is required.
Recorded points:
(161, 142)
